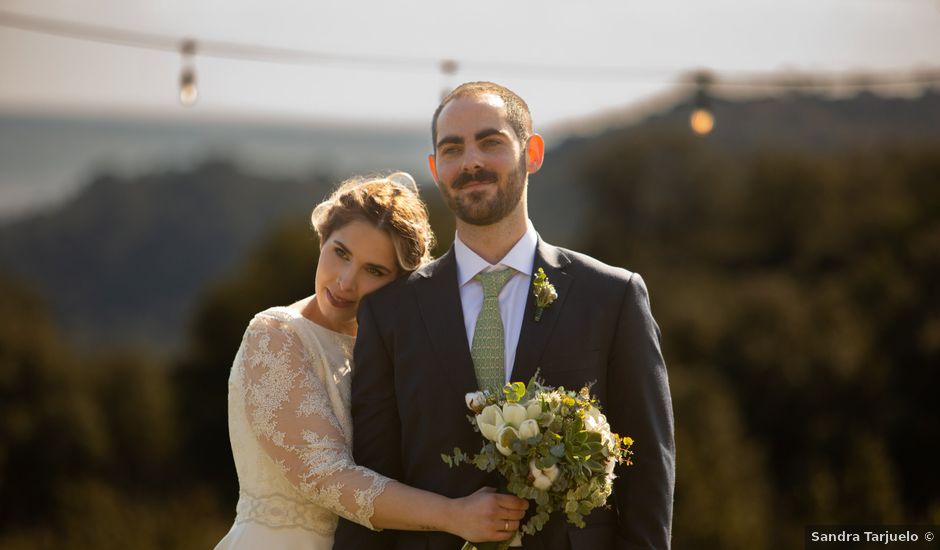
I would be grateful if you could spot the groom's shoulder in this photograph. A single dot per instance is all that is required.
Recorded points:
(404, 286)
(582, 264)
(390, 292)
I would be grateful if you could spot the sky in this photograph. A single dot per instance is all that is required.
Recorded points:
(648, 47)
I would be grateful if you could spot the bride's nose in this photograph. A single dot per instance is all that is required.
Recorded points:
(347, 280)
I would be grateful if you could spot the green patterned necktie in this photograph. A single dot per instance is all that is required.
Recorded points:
(488, 349)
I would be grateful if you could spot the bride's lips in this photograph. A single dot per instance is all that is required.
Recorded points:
(337, 302)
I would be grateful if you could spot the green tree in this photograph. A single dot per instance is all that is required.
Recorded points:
(802, 290)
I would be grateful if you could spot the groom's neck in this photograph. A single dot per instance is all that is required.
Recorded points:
(493, 242)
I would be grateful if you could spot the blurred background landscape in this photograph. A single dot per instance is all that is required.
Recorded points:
(792, 255)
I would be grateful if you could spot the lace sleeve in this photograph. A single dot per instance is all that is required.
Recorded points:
(290, 414)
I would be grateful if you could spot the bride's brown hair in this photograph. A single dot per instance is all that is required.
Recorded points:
(390, 203)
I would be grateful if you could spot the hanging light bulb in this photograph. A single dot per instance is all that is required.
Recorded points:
(189, 93)
(448, 70)
(702, 120)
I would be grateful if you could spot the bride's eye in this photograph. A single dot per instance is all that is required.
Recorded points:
(375, 271)
(341, 252)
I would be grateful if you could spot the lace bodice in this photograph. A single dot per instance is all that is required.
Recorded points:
(290, 426)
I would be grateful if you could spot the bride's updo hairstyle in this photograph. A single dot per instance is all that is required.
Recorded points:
(390, 203)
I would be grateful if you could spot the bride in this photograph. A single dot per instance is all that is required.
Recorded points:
(288, 404)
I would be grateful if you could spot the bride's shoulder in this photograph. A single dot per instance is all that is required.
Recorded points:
(272, 334)
(276, 313)
(278, 319)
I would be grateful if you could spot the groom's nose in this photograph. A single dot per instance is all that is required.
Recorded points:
(472, 159)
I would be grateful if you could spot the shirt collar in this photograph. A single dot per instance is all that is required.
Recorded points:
(521, 257)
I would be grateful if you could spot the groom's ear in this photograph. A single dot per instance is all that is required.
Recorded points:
(432, 166)
(534, 153)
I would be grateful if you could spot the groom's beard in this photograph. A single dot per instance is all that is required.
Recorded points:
(473, 209)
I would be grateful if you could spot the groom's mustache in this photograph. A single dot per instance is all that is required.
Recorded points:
(482, 175)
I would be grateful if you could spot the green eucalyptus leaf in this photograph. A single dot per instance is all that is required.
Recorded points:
(547, 462)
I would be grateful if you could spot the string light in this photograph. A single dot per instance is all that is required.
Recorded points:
(448, 70)
(189, 93)
(702, 120)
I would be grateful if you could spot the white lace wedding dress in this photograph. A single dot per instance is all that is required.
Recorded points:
(290, 428)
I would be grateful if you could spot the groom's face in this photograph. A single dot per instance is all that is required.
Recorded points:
(479, 164)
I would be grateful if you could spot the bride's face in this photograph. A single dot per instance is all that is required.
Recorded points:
(356, 259)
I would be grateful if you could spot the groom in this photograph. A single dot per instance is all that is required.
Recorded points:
(469, 319)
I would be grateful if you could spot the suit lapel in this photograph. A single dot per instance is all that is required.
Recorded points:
(535, 335)
(439, 303)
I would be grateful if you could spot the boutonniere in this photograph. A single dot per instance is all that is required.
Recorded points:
(544, 291)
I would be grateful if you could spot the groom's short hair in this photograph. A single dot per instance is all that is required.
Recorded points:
(517, 112)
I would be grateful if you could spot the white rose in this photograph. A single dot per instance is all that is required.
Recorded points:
(506, 436)
(609, 467)
(513, 414)
(542, 479)
(490, 422)
(533, 409)
(594, 421)
(528, 428)
(476, 400)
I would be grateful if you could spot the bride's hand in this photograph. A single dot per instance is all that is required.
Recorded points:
(487, 516)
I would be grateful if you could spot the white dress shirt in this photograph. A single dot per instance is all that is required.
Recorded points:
(512, 297)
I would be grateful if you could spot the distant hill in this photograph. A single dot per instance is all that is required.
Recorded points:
(44, 160)
(125, 261)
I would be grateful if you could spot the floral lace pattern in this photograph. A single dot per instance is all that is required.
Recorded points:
(282, 511)
(290, 427)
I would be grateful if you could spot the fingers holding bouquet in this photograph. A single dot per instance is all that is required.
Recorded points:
(489, 516)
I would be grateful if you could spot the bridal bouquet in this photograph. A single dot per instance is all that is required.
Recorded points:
(552, 445)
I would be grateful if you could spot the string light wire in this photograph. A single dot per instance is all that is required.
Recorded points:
(555, 72)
